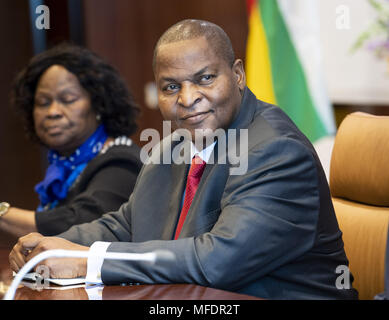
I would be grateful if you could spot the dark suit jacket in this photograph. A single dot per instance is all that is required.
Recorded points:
(105, 183)
(271, 232)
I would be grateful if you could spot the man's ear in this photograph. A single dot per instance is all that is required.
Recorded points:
(238, 70)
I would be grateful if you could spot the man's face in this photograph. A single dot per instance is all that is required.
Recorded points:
(197, 89)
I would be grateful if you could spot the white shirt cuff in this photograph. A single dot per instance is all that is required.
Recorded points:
(94, 292)
(95, 261)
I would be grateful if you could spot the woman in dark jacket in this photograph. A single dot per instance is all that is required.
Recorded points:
(77, 106)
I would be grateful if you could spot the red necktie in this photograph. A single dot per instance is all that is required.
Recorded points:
(195, 172)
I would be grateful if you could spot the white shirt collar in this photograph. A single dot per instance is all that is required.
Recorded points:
(204, 154)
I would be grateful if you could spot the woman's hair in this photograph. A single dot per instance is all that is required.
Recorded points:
(110, 97)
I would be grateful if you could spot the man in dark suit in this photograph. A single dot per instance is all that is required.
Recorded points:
(269, 231)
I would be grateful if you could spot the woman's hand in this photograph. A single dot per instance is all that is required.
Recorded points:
(32, 244)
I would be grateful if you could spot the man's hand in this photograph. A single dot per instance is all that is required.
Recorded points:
(32, 244)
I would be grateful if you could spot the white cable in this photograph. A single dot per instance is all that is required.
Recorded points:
(150, 257)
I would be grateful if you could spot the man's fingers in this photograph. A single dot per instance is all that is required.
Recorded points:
(22, 249)
(16, 259)
(33, 244)
(15, 266)
(34, 252)
(31, 240)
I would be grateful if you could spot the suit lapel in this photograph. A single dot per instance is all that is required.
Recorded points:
(212, 183)
(178, 176)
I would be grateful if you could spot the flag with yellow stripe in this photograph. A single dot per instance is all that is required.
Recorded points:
(283, 62)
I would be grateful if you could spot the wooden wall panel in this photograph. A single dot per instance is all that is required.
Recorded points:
(125, 32)
(20, 160)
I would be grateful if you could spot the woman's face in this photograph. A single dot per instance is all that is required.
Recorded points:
(63, 116)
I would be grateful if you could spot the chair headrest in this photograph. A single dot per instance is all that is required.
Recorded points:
(359, 169)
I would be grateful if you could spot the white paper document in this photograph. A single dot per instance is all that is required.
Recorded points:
(33, 276)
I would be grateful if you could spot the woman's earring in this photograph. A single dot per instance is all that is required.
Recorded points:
(98, 117)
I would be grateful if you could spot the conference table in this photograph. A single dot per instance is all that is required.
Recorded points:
(27, 290)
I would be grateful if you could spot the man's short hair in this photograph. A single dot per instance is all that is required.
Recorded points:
(190, 29)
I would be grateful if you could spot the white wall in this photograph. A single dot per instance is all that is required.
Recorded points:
(351, 78)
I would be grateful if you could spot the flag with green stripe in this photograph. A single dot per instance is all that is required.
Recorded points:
(283, 62)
